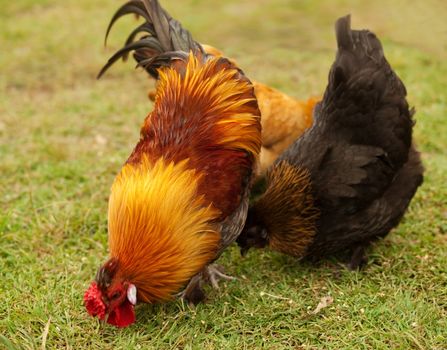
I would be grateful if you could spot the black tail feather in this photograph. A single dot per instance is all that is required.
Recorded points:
(357, 50)
(343, 32)
(133, 6)
(144, 27)
(164, 41)
(144, 43)
(160, 20)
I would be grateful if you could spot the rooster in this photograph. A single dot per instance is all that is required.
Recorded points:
(349, 179)
(182, 196)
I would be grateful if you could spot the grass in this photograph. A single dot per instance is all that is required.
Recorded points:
(63, 137)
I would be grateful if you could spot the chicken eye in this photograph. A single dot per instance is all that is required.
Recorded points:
(115, 295)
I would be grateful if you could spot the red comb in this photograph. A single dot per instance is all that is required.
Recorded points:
(93, 302)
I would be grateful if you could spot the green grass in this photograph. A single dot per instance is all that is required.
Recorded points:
(64, 135)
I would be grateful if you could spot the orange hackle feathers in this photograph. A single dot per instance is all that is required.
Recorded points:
(209, 95)
(290, 220)
(160, 229)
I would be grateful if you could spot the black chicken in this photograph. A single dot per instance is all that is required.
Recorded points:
(349, 179)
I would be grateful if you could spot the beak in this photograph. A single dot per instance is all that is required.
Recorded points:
(106, 317)
(104, 320)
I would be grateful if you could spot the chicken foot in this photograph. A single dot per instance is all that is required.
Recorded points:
(358, 258)
(211, 274)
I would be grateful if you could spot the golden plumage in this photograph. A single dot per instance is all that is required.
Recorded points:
(284, 119)
(160, 238)
(290, 220)
(185, 174)
(212, 94)
(205, 111)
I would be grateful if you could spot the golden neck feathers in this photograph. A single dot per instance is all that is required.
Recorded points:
(287, 209)
(160, 238)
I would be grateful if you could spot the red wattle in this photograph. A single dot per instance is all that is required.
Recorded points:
(123, 315)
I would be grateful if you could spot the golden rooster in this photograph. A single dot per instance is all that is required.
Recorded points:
(182, 196)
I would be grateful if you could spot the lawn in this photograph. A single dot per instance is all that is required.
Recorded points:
(64, 136)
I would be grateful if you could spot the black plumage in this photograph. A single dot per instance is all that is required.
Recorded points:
(362, 169)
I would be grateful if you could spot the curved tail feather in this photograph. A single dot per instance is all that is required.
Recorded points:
(164, 38)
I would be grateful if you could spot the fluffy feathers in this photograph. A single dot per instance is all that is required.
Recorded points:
(161, 239)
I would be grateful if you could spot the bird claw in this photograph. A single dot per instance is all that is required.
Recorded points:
(194, 293)
(213, 274)
(358, 258)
